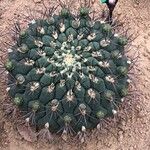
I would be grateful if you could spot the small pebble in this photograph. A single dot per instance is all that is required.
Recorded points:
(37, 1)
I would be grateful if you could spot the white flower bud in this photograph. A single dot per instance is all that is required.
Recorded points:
(47, 125)
(27, 119)
(9, 50)
(122, 100)
(62, 27)
(116, 35)
(6, 72)
(83, 129)
(8, 89)
(114, 112)
(33, 21)
(112, 1)
(102, 22)
(42, 31)
(129, 81)
(98, 126)
(129, 62)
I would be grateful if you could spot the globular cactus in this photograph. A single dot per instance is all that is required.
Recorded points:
(68, 73)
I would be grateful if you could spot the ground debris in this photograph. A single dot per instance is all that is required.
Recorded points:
(37, 1)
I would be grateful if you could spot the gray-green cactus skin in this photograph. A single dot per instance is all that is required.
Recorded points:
(68, 72)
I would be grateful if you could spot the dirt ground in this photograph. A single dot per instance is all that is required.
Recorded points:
(132, 134)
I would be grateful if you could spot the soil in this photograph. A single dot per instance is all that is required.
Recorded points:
(131, 133)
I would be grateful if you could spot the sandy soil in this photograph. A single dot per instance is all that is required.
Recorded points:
(132, 133)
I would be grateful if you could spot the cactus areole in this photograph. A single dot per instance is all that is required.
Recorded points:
(70, 72)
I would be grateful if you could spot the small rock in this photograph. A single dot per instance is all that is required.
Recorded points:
(120, 134)
(123, 123)
(131, 148)
(26, 133)
(145, 37)
(37, 1)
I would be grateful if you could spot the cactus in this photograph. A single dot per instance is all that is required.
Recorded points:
(68, 73)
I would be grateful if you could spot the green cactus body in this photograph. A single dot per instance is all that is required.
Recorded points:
(68, 71)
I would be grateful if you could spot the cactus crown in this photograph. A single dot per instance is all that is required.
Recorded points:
(68, 71)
